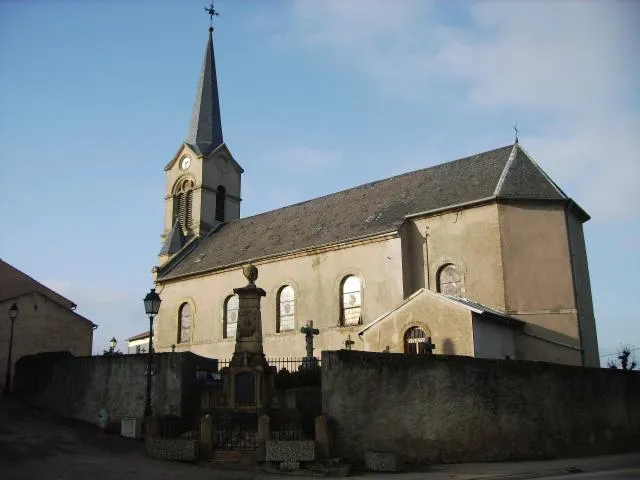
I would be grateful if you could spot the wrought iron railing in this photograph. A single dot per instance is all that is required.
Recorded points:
(291, 364)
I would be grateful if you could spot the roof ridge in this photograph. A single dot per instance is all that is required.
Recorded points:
(412, 172)
(547, 177)
(55, 297)
(505, 170)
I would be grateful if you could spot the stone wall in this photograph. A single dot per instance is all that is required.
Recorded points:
(441, 409)
(79, 387)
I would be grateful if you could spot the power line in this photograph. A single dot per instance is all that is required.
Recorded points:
(618, 353)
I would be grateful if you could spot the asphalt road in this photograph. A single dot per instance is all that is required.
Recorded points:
(38, 446)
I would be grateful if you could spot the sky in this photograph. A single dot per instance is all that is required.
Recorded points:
(316, 96)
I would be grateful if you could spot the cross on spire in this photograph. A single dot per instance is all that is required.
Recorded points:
(515, 128)
(212, 13)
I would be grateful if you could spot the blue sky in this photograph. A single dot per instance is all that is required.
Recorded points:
(316, 96)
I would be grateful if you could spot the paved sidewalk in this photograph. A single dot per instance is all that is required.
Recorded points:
(36, 446)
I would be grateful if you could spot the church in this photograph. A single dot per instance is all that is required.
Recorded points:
(483, 256)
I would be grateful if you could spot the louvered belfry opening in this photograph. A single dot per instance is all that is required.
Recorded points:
(221, 194)
(183, 204)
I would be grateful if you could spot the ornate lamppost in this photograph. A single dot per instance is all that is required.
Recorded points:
(13, 314)
(112, 345)
(151, 307)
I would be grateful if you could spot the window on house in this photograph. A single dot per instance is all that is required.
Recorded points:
(448, 280)
(220, 201)
(230, 316)
(184, 323)
(183, 203)
(285, 314)
(350, 301)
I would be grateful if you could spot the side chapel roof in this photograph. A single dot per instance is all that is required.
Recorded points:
(373, 208)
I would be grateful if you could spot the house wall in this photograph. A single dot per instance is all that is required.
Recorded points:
(493, 340)
(448, 325)
(434, 409)
(79, 387)
(470, 239)
(582, 285)
(538, 281)
(42, 326)
(315, 279)
(134, 345)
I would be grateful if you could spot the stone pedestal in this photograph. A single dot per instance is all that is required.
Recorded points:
(206, 437)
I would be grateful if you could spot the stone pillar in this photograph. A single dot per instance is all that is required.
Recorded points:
(323, 437)
(206, 437)
(248, 350)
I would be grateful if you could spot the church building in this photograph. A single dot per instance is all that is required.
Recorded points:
(483, 256)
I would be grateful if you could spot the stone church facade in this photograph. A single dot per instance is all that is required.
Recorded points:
(485, 256)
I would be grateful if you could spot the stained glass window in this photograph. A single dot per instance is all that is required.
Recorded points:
(351, 301)
(230, 316)
(449, 281)
(286, 309)
(184, 323)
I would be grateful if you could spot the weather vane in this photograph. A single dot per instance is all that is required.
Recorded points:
(515, 127)
(212, 12)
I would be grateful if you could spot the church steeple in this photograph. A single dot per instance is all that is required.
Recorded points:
(205, 133)
(203, 178)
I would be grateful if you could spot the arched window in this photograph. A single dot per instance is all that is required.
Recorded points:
(221, 193)
(231, 306)
(183, 203)
(417, 342)
(184, 323)
(285, 314)
(350, 301)
(448, 280)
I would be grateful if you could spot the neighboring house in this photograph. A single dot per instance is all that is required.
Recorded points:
(46, 320)
(138, 343)
(484, 256)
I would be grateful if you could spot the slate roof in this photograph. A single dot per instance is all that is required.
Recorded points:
(482, 310)
(205, 133)
(174, 241)
(374, 208)
(14, 283)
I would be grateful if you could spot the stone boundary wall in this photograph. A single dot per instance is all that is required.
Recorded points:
(79, 387)
(449, 409)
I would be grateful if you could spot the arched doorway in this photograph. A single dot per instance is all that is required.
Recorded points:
(416, 342)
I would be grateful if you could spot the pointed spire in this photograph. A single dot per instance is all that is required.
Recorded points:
(174, 241)
(205, 133)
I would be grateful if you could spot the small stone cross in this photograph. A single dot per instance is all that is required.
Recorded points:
(309, 332)
(348, 342)
(429, 347)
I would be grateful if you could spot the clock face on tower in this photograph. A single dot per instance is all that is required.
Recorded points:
(185, 163)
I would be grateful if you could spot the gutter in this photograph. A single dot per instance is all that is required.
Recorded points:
(388, 233)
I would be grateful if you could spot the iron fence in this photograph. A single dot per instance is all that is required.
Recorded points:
(235, 431)
(291, 364)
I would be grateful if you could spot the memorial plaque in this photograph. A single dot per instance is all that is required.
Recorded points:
(245, 388)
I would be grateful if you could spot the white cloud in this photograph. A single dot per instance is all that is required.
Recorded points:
(571, 66)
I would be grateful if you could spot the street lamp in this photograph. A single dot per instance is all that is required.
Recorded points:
(151, 307)
(13, 314)
(112, 345)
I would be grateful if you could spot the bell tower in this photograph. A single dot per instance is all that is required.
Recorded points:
(203, 178)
